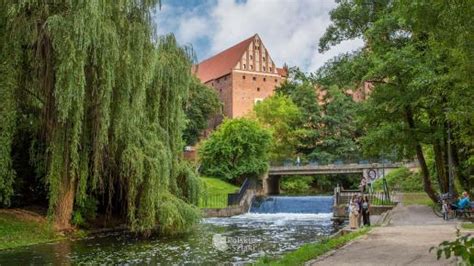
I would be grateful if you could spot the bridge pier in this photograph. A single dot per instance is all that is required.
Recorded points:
(271, 184)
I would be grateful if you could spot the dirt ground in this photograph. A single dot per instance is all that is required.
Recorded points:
(406, 240)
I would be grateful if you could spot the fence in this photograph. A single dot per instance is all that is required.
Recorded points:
(212, 201)
(222, 200)
(375, 198)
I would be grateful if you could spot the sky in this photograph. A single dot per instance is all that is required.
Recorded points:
(290, 29)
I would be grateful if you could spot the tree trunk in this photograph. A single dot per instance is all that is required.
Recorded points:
(64, 206)
(461, 173)
(421, 158)
(440, 164)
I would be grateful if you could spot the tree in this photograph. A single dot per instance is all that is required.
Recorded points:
(340, 131)
(301, 90)
(237, 149)
(202, 104)
(409, 58)
(100, 99)
(280, 115)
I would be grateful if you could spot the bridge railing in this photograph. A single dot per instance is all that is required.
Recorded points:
(293, 162)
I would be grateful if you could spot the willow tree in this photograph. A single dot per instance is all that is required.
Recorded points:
(102, 98)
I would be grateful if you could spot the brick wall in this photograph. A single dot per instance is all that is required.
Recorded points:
(248, 87)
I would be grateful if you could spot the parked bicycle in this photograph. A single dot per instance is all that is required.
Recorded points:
(442, 207)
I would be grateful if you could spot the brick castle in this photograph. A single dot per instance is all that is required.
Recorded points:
(242, 75)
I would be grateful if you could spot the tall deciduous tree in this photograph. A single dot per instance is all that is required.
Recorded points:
(281, 116)
(101, 98)
(410, 56)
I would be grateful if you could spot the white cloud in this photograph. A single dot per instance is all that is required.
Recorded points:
(289, 29)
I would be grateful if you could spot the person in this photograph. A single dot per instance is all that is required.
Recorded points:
(353, 213)
(462, 203)
(363, 184)
(366, 211)
(359, 204)
(298, 161)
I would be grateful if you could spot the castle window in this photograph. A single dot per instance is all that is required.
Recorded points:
(243, 77)
(276, 80)
(254, 78)
(263, 58)
(270, 69)
(251, 66)
(264, 68)
(251, 57)
(245, 66)
(258, 89)
(264, 79)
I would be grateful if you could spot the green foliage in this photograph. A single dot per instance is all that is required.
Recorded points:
(203, 103)
(237, 149)
(462, 248)
(85, 212)
(401, 179)
(296, 184)
(280, 115)
(102, 99)
(416, 60)
(313, 250)
(326, 130)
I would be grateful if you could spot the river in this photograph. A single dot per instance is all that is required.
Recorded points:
(273, 225)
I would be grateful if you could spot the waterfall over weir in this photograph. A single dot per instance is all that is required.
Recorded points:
(292, 204)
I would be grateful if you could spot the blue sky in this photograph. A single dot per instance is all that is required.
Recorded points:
(290, 29)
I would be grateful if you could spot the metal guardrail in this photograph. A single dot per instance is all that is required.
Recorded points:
(235, 198)
(289, 163)
(375, 198)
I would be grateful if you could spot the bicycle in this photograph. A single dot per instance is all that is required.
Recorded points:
(444, 211)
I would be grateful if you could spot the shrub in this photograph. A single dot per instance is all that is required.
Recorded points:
(401, 179)
(296, 184)
(237, 149)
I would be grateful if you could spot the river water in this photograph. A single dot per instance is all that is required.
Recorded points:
(272, 226)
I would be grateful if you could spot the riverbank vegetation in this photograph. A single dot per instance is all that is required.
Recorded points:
(311, 251)
(22, 228)
(92, 114)
(416, 64)
(320, 184)
(215, 192)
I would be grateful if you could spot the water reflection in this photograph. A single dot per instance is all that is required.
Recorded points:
(235, 240)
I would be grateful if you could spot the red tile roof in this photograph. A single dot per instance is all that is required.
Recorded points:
(222, 63)
(282, 72)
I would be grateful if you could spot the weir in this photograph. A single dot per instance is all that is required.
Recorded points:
(292, 204)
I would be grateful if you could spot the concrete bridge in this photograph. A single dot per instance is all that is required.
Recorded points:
(371, 171)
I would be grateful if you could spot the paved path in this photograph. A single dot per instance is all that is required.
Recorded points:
(406, 240)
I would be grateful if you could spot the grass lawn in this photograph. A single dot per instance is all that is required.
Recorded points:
(469, 226)
(217, 191)
(21, 229)
(419, 198)
(313, 250)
